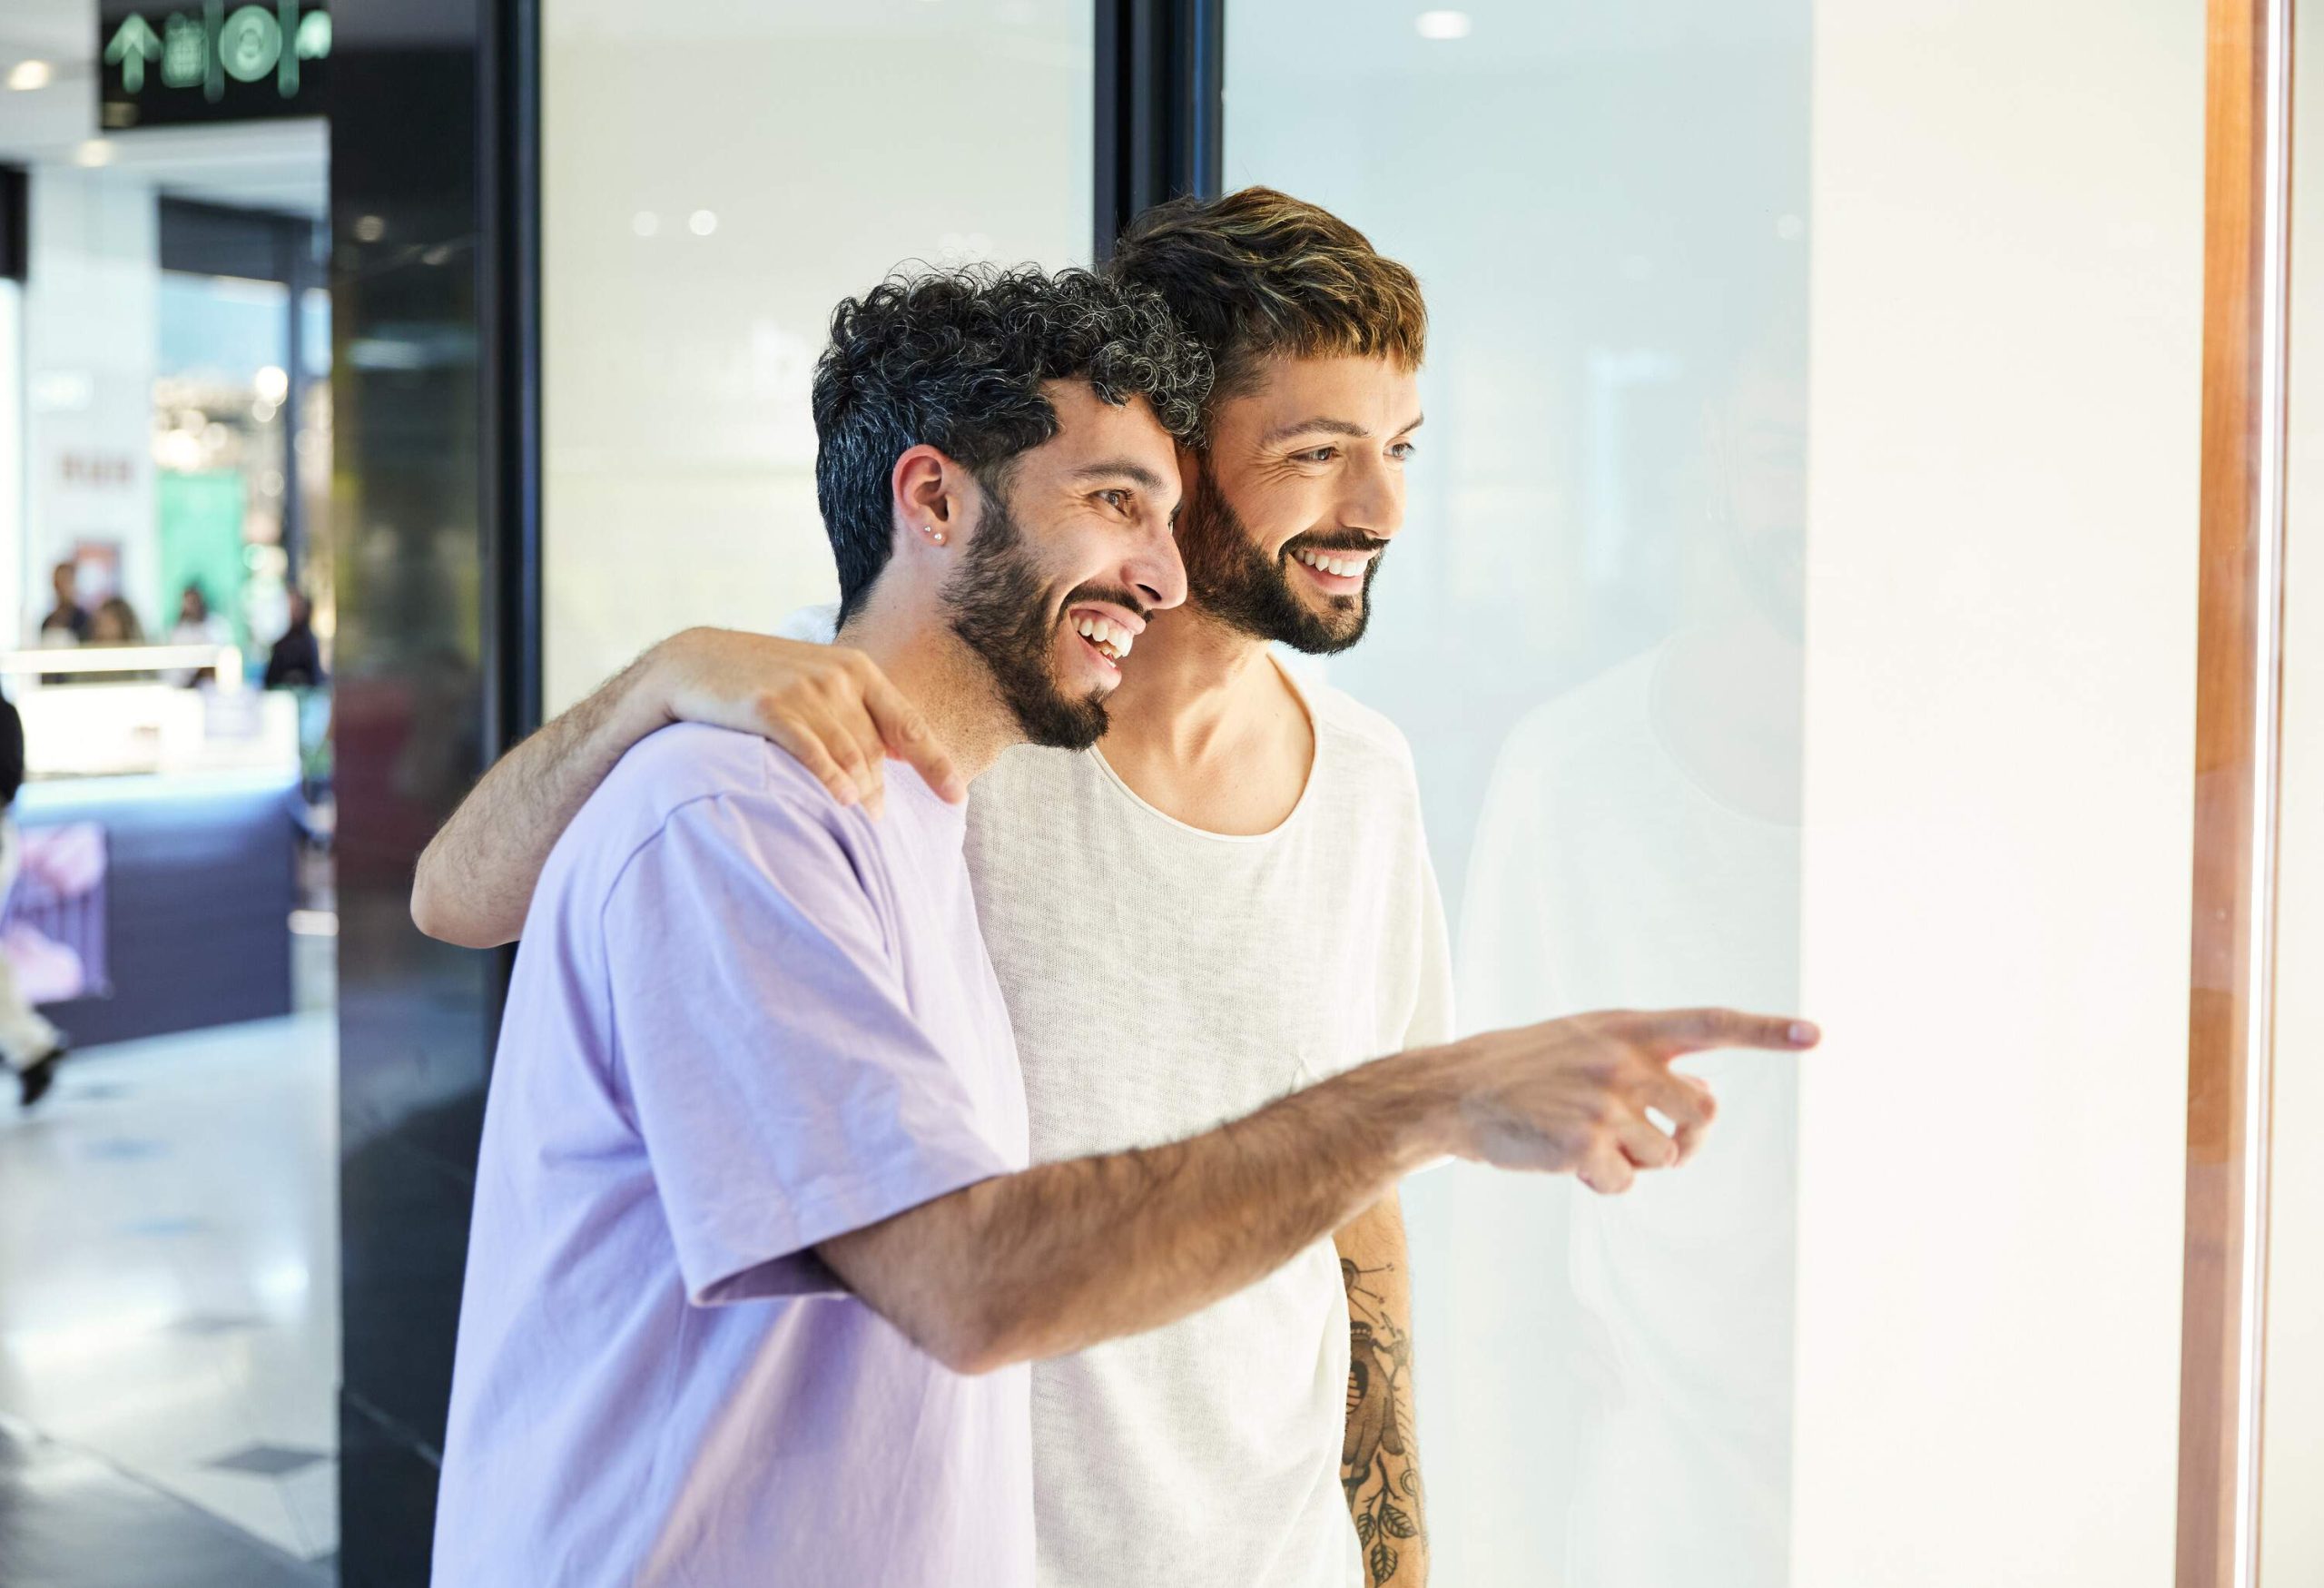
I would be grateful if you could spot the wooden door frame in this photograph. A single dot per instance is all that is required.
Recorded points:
(2238, 690)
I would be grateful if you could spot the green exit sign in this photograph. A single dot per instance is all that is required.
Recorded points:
(212, 61)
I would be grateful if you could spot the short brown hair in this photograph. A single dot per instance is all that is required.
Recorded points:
(1259, 274)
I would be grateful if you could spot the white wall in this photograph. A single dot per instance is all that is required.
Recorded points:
(2292, 1522)
(830, 145)
(91, 334)
(2002, 556)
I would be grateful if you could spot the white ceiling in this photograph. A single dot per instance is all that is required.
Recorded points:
(283, 166)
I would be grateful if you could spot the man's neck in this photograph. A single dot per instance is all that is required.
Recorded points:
(1194, 686)
(925, 660)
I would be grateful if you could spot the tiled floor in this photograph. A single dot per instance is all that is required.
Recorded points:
(69, 1520)
(169, 1289)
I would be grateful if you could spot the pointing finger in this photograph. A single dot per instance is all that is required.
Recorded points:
(1668, 1033)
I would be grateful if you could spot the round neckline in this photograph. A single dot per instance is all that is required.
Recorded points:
(1306, 790)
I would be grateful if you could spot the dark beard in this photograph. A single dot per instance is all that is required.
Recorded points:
(1230, 578)
(999, 612)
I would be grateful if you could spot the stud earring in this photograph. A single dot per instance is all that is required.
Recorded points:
(933, 533)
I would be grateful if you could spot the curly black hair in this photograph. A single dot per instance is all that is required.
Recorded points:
(955, 359)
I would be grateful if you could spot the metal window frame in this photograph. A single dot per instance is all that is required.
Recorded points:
(1161, 75)
(509, 264)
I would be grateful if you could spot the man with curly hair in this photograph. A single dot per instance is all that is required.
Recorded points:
(754, 1053)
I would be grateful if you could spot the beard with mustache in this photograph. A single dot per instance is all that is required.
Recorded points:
(1001, 611)
(1229, 578)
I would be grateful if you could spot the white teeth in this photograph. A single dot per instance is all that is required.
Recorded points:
(1110, 638)
(1344, 566)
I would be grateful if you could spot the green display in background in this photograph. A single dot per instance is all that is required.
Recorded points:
(201, 543)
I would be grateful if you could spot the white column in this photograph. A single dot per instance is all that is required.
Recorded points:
(2006, 326)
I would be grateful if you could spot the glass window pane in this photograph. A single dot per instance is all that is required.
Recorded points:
(1871, 693)
(716, 176)
(1590, 632)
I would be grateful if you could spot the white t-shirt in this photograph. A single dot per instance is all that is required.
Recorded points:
(1161, 981)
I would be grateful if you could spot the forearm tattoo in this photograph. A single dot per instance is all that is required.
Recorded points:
(1376, 1465)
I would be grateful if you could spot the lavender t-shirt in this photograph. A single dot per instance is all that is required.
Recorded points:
(744, 1019)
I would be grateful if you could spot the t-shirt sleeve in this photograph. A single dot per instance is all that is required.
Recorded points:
(785, 1091)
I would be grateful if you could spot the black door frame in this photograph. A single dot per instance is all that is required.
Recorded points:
(1161, 74)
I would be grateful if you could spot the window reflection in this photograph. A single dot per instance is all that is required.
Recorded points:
(1591, 633)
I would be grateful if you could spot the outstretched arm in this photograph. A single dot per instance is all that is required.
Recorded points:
(1379, 1459)
(830, 707)
(1060, 1256)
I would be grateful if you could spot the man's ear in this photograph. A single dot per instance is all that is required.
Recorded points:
(930, 493)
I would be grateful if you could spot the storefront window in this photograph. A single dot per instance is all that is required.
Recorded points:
(715, 178)
(1735, 502)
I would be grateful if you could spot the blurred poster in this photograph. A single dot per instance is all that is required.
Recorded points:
(53, 928)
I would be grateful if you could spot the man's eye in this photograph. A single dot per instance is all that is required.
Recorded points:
(1402, 450)
(1319, 454)
(1116, 500)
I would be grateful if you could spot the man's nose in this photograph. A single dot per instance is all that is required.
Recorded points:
(1155, 572)
(1375, 499)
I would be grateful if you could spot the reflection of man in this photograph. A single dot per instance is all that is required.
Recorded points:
(1640, 843)
(755, 1051)
(1237, 875)
(28, 1043)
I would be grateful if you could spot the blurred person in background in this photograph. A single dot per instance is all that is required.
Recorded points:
(67, 622)
(296, 661)
(29, 1045)
(197, 624)
(115, 623)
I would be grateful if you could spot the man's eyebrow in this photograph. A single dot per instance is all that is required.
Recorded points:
(1138, 474)
(1324, 425)
(1321, 425)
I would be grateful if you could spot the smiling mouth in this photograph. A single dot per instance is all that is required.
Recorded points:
(1109, 640)
(1339, 565)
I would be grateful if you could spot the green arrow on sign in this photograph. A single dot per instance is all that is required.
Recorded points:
(134, 45)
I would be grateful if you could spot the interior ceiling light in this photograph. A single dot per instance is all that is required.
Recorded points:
(26, 74)
(1442, 25)
(96, 152)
